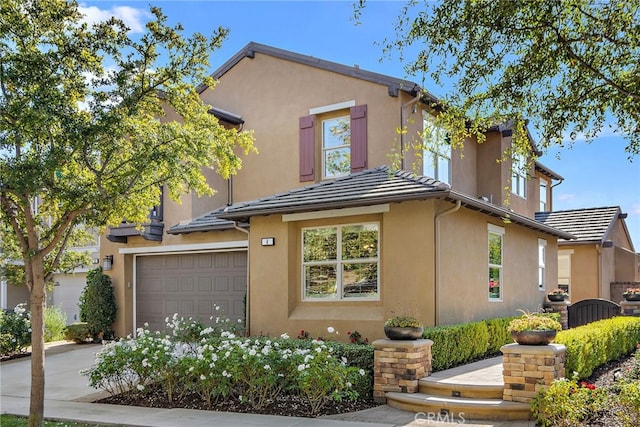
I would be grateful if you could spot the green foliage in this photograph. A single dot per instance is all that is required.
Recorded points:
(77, 332)
(15, 330)
(594, 344)
(569, 66)
(498, 333)
(55, 320)
(403, 322)
(567, 403)
(220, 365)
(456, 344)
(98, 305)
(534, 322)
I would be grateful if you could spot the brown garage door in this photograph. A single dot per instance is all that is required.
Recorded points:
(190, 285)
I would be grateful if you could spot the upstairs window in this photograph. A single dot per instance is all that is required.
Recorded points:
(519, 176)
(340, 263)
(543, 195)
(336, 147)
(341, 142)
(436, 161)
(496, 241)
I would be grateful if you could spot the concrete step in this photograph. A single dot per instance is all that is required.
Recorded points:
(458, 409)
(452, 388)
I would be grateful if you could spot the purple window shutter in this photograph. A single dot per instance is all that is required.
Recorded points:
(358, 138)
(307, 148)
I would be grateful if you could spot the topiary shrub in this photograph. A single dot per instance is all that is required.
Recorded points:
(98, 305)
(78, 332)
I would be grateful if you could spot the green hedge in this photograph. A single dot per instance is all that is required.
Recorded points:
(597, 343)
(458, 344)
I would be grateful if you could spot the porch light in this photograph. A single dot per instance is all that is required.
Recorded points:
(107, 262)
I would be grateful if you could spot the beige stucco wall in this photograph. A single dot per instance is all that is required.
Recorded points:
(463, 290)
(618, 235)
(627, 265)
(585, 271)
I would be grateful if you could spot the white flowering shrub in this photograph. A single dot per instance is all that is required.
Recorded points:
(216, 364)
(15, 330)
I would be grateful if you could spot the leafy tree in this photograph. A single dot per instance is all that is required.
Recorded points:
(85, 126)
(98, 305)
(571, 66)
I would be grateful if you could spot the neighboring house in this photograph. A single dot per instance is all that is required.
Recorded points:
(317, 231)
(601, 254)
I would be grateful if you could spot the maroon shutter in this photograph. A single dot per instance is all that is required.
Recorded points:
(358, 138)
(307, 148)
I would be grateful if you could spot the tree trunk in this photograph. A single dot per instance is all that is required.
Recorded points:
(37, 306)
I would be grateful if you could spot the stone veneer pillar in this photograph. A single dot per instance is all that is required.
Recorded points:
(398, 365)
(630, 308)
(526, 369)
(561, 307)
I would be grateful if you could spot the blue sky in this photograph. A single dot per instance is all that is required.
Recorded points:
(596, 174)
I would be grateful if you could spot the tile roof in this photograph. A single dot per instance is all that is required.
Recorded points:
(587, 224)
(369, 187)
(206, 222)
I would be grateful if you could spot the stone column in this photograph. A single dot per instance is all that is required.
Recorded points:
(561, 307)
(399, 365)
(528, 369)
(630, 308)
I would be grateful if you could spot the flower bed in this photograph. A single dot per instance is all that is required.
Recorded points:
(215, 365)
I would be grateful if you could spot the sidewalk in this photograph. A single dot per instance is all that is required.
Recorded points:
(68, 397)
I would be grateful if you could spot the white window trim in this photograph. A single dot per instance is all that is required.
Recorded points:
(542, 264)
(339, 263)
(543, 184)
(496, 230)
(519, 176)
(332, 107)
(434, 154)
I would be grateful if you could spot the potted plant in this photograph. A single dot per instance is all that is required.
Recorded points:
(632, 294)
(403, 328)
(534, 329)
(557, 295)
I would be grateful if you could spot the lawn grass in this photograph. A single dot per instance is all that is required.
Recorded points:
(16, 421)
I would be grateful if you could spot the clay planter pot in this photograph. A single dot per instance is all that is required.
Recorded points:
(534, 337)
(556, 298)
(399, 333)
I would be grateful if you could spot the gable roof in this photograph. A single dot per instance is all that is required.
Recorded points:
(372, 187)
(393, 84)
(589, 225)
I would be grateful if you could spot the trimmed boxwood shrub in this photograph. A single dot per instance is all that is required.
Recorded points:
(456, 344)
(78, 332)
(498, 333)
(594, 344)
(98, 305)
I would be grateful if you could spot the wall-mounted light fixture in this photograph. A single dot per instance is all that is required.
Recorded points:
(268, 241)
(107, 262)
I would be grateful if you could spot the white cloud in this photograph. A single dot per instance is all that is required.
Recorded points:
(133, 18)
(566, 197)
(635, 209)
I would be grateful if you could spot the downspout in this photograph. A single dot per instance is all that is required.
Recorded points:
(402, 133)
(246, 307)
(599, 266)
(436, 275)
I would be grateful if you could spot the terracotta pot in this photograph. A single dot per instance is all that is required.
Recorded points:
(534, 337)
(556, 298)
(398, 333)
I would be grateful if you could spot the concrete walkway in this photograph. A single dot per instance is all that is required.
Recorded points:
(68, 397)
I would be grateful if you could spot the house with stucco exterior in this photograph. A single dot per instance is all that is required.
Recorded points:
(319, 230)
(601, 261)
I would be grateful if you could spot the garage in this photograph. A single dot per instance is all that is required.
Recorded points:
(191, 285)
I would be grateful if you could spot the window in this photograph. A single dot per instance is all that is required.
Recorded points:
(542, 253)
(340, 263)
(543, 195)
(343, 142)
(436, 162)
(496, 237)
(519, 176)
(336, 147)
